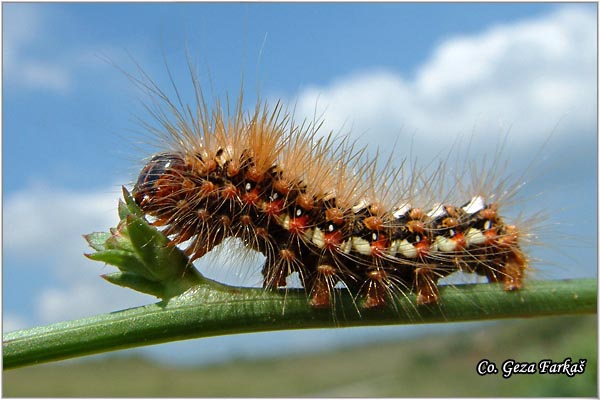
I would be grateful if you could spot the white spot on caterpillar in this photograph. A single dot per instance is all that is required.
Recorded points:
(362, 204)
(402, 210)
(318, 239)
(404, 247)
(476, 204)
(445, 244)
(221, 158)
(437, 210)
(285, 222)
(393, 250)
(346, 246)
(308, 234)
(361, 245)
(474, 237)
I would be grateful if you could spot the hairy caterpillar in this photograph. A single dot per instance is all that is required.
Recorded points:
(314, 205)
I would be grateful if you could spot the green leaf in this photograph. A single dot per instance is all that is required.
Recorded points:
(97, 240)
(120, 239)
(147, 261)
(130, 207)
(152, 248)
(136, 282)
(124, 260)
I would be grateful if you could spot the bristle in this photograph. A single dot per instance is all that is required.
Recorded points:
(315, 205)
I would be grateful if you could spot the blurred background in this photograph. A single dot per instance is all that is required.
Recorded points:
(421, 78)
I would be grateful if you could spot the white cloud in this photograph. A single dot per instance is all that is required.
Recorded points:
(527, 76)
(24, 27)
(20, 26)
(84, 298)
(45, 76)
(35, 58)
(52, 218)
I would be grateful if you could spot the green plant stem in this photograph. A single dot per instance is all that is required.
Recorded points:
(219, 310)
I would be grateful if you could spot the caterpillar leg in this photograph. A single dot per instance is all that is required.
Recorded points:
(515, 261)
(514, 270)
(426, 285)
(376, 290)
(278, 267)
(322, 286)
(512, 263)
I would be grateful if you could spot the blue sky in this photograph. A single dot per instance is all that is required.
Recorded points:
(418, 74)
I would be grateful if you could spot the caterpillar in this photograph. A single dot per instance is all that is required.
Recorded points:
(314, 205)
